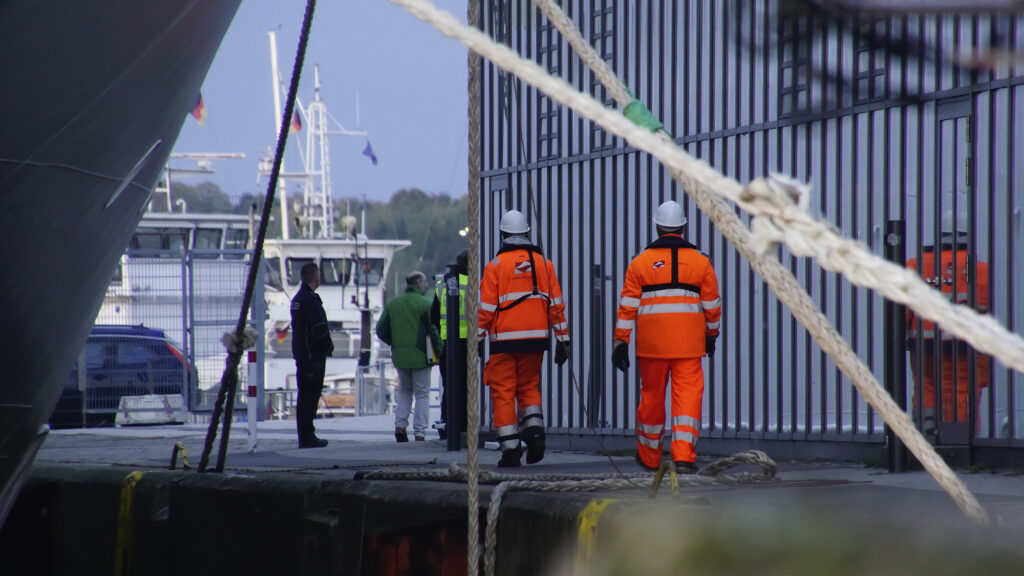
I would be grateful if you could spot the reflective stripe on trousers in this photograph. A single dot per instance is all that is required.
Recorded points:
(687, 390)
(508, 436)
(531, 417)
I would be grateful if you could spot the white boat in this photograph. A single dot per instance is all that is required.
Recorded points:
(353, 268)
(185, 274)
(353, 274)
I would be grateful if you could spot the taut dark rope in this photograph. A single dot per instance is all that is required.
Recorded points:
(229, 381)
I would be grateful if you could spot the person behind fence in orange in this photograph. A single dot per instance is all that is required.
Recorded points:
(953, 279)
(670, 296)
(520, 305)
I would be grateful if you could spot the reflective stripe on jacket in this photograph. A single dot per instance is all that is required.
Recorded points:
(670, 295)
(520, 300)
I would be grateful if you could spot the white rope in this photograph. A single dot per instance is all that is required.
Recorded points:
(249, 339)
(710, 475)
(774, 201)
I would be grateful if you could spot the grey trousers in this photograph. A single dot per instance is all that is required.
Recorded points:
(413, 383)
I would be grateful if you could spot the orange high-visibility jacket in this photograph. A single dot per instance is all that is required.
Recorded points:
(520, 298)
(953, 282)
(670, 295)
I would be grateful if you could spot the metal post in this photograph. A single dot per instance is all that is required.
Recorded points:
(895, 322)
(380, 385)
(188, 320)
(365, 328)
(252, 398)
(259, 317)
(82, 379)
(455, 363)
(360, 392)
(595, 384)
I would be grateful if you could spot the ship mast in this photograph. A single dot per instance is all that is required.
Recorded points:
(281, 187)
(316, 210)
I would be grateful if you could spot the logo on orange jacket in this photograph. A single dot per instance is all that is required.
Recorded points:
(659, 264)
(523, 267)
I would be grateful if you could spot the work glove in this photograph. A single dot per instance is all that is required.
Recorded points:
(709, 345)
(620, 355)
(561, 352)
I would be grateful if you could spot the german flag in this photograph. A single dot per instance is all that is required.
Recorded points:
(296, 123)
(199, 110)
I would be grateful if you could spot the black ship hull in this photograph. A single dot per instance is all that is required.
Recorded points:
(94, 96)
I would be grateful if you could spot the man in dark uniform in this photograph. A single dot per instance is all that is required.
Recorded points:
(311, 345)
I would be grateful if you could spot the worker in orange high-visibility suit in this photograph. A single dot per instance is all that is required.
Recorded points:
(954, 282)
(670, 295)
(520, 304)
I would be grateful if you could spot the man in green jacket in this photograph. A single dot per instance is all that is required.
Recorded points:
(415, 346)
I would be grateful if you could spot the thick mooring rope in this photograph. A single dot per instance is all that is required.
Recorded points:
(229, 380)
(473, 63)
(707, 187)
(710, 475)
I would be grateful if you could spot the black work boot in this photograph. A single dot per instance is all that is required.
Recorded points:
(511, 458)
(684, 467)
(534, 438)
(401, 435)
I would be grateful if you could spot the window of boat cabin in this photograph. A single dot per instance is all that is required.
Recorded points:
(207, 239)
(272, 272)
(335, 271)
(237, 239)
(371, 270)
(177, 240)
(159, 242)
(294, 269)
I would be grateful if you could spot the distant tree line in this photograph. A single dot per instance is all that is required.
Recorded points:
(431, 222)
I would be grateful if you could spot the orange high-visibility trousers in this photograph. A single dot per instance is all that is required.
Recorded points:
(513, 377)
(924, 384)
(687, 390)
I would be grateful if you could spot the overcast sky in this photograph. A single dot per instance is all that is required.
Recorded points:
(410, 82)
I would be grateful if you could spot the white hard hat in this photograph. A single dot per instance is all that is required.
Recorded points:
(670, 215)
(514, 222)
(961, 221)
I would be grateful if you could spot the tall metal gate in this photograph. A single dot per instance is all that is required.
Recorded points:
(891, 142)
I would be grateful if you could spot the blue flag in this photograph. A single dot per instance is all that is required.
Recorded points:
(368, 151)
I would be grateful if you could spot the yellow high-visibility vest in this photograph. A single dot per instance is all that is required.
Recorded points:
(442, 297)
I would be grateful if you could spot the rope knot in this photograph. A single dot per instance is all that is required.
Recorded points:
(231, 344)
(782, 199)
